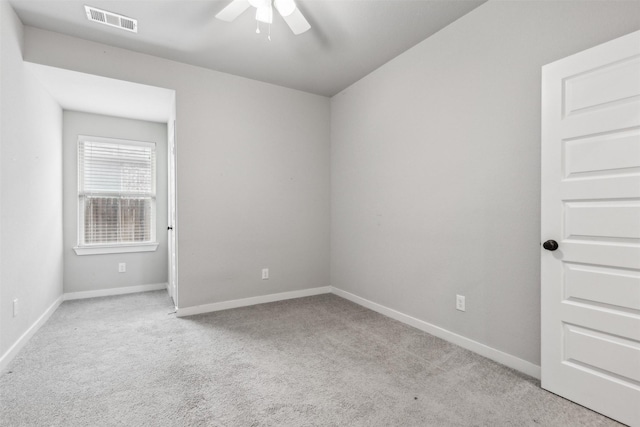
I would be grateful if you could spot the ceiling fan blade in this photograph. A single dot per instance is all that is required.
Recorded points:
(233, 10)
(297, 22)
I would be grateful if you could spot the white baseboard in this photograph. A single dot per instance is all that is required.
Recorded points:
(17, 346)
(114, 291)
(225, 305)
(482, 349)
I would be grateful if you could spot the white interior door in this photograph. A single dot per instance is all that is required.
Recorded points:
(171, 229)
(591, 207)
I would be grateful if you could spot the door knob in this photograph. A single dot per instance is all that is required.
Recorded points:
(550, 245)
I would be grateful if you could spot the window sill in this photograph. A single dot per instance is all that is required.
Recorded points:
(115, 249)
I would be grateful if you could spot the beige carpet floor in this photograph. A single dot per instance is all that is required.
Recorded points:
(317, 361)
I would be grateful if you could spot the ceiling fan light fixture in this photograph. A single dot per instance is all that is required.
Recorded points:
(285, 7)
(265, 14)
(260, 3)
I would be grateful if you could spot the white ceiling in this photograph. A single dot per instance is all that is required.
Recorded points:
(100, 95)
(348, 38)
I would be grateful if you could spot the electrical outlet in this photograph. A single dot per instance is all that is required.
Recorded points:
(460, 304)
(265, 274)
(15, 307)
(122, 267)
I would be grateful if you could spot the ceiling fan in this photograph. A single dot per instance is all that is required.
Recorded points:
(264, 13)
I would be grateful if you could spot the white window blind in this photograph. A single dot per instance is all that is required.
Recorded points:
(116, 190)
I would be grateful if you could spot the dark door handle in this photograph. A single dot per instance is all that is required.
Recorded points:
(169, 228)
(550, 245)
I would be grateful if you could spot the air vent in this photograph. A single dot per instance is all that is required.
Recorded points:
(111, 19)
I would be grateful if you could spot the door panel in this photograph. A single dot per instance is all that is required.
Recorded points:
(602, 220)
(595, 88)
(603, 285)
(591, 206)
(609, 354)
(603, 155)
(614, 119)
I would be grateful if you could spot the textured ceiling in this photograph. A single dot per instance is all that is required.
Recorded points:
(348, 38)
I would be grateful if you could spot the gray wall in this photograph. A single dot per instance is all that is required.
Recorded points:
(94, 272)
(252, 171)
(436, 169)
(30, 189)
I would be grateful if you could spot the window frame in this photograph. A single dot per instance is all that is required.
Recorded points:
(113, 247)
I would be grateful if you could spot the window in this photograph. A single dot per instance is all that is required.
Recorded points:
(116, 196)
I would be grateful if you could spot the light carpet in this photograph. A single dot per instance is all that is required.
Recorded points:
(316, 361)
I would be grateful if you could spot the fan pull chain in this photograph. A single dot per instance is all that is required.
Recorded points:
(257, 27)
(269, 37)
